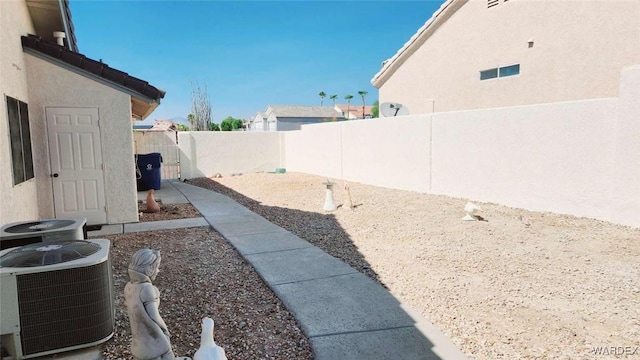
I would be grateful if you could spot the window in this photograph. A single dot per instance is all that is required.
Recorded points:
(488, 74)
(20, 137)
(500, 72)
(510, 70)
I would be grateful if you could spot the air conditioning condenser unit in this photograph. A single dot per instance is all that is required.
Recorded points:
(55, 297)
(46, 230)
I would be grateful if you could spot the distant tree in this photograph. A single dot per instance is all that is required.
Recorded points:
(214, 127)
(322, 95)
(362, 94)
(183, 127)
(333, 97)
(200, 116)
(375, 109)
(348, 98)
(230, 123)
(192, 120)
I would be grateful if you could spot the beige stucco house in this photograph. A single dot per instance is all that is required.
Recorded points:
(292, 117)
(474, 54)
(66, 145)
(353, 111)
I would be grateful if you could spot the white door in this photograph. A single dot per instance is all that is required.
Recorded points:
(77, 172)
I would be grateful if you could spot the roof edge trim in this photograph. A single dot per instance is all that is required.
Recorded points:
(89, 75)
(73, 46)
(446, 10)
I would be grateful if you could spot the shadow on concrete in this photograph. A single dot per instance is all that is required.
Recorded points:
(321, 230)
(341, 309)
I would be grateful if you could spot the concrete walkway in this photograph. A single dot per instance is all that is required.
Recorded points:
(345, 314)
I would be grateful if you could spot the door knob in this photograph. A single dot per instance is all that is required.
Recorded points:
(55, 175)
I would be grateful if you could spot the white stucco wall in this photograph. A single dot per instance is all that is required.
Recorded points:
(55, 86)
(396, 154)
(206, 153)
(17, 203)
(387, 152)
(626, 181)
(552, 157)
(315, 149)
(576, 157)
(578, 52)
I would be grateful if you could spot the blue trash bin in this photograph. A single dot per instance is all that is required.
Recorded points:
(148, 171)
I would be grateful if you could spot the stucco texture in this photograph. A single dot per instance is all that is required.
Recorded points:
(575, 157)
(577, 51)
(55, 86)
(206, 153)
(20, 202)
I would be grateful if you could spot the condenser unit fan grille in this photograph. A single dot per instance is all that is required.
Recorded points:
(65, 308)
(39, 226)
(40, 254)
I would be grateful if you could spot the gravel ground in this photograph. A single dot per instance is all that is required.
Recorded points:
(202, 275)
(520, 285)
(168, 212)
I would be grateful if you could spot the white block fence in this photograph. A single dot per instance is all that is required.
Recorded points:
(580, 158)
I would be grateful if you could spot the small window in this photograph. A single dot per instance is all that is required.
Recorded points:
(488, 74)
(20, 137)
(510, 70)
(500, 72)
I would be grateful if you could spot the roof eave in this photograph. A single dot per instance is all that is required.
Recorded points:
(53, 15)
(141, 109)
(145, 104)
(446, 10)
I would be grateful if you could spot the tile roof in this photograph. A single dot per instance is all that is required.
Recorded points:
(355, 108)
(303, 111)
(97, 68)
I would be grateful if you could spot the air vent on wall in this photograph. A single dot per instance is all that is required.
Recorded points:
(492, 3)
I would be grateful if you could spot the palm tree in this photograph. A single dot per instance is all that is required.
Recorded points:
(333, 97)
(348, 98)
(322, 95)
(362, 93)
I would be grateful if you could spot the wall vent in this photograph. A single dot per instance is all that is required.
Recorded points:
(492, 3)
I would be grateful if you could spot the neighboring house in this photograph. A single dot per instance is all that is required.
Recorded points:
(67, 120)
(354, 111)
(291, 117)
(259, 123)
(475, 54)
(158, 125)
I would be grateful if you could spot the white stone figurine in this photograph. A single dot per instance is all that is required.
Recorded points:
(470, 209)
(149, 333)
(208, 349)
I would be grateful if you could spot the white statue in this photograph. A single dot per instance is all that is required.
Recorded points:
(208, 349)
(470, 208)
(150, 336)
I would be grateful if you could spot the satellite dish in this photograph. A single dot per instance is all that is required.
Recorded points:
(388, 109)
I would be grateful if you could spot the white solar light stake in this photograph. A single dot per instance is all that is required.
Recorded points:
(329, 204)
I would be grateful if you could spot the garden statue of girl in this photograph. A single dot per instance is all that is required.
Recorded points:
(150, 336)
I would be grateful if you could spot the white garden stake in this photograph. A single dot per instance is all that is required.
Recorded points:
(329, 205)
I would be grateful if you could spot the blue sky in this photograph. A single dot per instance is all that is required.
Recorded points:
(248, 53)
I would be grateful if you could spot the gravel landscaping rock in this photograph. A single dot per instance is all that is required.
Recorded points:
(520, 285)
(202, 275)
